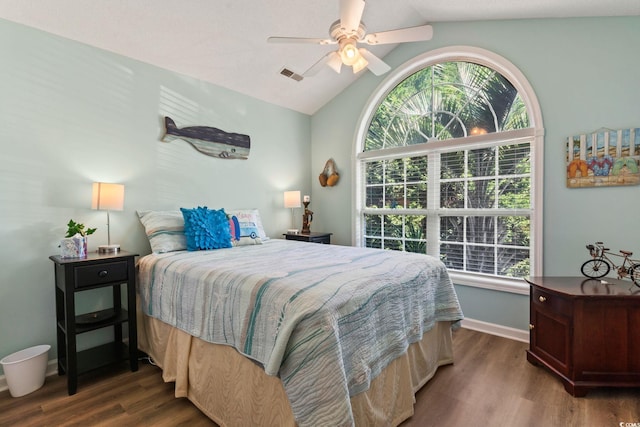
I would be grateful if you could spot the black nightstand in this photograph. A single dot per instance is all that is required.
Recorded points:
(81, 274)
(310, 237)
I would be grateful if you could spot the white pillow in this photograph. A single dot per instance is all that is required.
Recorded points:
(164, 229)
(249, 215)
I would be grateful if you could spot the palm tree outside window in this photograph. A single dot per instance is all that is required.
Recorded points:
(445, 169)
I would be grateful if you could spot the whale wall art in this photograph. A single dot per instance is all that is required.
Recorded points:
(603, 158)
(209, 140)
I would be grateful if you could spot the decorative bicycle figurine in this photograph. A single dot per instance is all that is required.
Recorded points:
(602, 263)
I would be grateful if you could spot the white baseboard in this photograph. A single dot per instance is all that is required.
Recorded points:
(52, 369)
(494, 329)
(474, 325)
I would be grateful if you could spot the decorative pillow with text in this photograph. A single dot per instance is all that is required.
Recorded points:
(243, 233)
(250, 218)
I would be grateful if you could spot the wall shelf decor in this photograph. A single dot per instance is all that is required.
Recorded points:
(603, 158)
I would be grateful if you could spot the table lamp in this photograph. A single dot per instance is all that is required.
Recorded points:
(292, 200)
(109, 197)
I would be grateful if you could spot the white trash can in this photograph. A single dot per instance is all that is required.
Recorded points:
(25, 369)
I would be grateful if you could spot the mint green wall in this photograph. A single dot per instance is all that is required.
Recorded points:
(72, 115)
(585, 75)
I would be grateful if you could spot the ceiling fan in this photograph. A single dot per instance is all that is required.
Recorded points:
(347, 32)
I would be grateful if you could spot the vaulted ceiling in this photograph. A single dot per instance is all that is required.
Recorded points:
(225, 41)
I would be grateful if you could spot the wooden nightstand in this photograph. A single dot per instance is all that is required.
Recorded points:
(310, 237)
(585, 331)
(74, 275)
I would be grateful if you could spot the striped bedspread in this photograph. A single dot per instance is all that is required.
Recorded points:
(325, 319)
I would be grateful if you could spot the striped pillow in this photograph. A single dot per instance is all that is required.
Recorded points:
(164, 229)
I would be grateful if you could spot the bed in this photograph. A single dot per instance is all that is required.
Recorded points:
(294, 333)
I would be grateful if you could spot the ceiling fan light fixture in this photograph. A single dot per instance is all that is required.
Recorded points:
(348, 32)
(349, 52)
(360, 64)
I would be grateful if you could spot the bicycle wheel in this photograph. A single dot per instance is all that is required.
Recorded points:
(634, 272)
(595, 268)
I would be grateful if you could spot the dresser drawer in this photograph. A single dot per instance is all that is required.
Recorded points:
(314, 237)
(324, 239)
(98, 274)
(549, 301)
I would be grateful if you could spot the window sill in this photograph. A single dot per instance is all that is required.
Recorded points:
(502, 284)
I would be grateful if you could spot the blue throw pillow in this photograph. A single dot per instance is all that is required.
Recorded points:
(206, 229)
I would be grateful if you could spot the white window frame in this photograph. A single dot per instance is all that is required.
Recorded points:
(534, 133)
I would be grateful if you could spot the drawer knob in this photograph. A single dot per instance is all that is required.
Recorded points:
(531, 326)
(542, 299)
(103, 273)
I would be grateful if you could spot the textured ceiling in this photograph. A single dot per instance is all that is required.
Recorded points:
(224, 41)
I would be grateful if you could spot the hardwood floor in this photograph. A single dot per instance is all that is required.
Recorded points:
(491, 384)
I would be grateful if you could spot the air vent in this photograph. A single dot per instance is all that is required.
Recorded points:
(288, 73)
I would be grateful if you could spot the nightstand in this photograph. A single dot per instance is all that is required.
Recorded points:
(73, 275)
(310, 237)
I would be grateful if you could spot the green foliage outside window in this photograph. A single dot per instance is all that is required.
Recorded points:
(488, 186)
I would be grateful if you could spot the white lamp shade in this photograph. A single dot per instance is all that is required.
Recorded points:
(108, 197)
(292, 199)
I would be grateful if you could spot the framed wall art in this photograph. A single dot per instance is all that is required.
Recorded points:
(603, 158)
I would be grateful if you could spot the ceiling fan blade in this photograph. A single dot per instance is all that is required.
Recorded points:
(335, 62)
(300, 40)
(376, 65)
(331, 59)
(350, 15)
(411, 34)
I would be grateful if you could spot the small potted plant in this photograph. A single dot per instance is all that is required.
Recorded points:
(74, 245)
(74, 228)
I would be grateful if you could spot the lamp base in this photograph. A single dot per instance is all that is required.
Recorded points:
(108, 249)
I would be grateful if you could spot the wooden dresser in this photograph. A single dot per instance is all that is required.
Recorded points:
(586, 332)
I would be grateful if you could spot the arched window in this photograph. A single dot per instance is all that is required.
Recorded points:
(449, 163)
